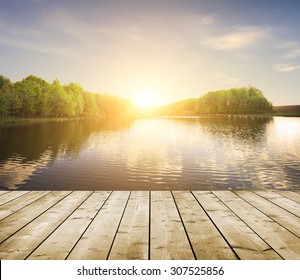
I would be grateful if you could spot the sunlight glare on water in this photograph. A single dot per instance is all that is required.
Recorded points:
(205, 153)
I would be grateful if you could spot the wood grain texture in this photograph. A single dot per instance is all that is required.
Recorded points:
(8, 196)
(16, 221)
(96, 242)
(291, 195)
(3, 192)
(131, 242)
(55, 247)
(206, 240)
(282, 201)
(167, 236)
(279, 238)
(244, 241)
(274, 212)
(19, 203)
(25, 241)
(140, 225)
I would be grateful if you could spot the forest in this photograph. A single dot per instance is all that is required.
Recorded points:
(244, 100)
(33, 97)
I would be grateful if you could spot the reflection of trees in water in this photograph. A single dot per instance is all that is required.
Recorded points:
(241, 127)
(30, 141)
(14, 172)
(209, 152)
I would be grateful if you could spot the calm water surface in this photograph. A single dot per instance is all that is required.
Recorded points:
(205, 153)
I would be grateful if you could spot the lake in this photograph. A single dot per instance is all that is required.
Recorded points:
(186, 153)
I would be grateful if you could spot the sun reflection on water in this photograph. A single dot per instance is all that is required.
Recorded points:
(168, 153)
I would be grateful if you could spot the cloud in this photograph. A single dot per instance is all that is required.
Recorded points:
(292, 49)
(24, 31)
(241, 37)
(226, 79)
(292, 54)
(287, 68)
(57, 32)
(40, 47)
(209, 19)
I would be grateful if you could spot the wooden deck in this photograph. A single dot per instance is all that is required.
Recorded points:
(154, 225)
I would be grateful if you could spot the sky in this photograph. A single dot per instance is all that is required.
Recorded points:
(159, 51)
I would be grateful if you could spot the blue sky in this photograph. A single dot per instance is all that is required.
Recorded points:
(168, 49)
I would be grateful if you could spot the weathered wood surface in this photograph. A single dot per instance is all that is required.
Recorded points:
(157, 225)
(168, 239)
(131, 240)
(98, 238)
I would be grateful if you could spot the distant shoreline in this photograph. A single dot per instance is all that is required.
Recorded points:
(276, 113)
(287, 110)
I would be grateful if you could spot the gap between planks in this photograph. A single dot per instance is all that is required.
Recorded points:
(150, 225)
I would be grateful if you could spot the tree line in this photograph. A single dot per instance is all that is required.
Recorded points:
(34, 97)
(244, 100)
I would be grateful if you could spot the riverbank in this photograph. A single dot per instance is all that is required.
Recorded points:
(286, 114)
(16, 120)
(287, 111)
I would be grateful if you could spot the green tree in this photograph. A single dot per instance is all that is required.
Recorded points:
(29, 96)
(76, 93)
(243, 100)
(5, 92)
(61, 103)
(89, 105)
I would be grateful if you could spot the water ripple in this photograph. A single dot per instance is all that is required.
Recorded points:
(182, 153)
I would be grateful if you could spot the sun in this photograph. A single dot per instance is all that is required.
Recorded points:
(145, 99)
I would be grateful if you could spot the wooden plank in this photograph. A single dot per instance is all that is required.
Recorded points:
(3, 192)
(279, 238)
(278, 214)
(291, 195)
(35, 224)
(98, 238)
(16, 221)
(206, 240)
(19, 203)
(24, 242)
(59, 244)
(11, 196)
(168, 239)
(284, 202)
(244, 241)
(131, 242)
